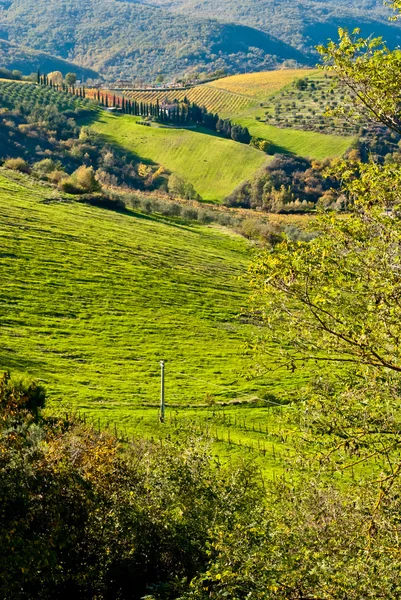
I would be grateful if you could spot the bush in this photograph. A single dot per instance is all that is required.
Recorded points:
(107, 201)
(47, 165)
(178, 187)
(190, 213)
(82, 181)
(81, 518)
(17, 164)
(85, 179)
(69, 186)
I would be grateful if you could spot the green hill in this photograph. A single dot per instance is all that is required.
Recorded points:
(303, 23)
(134, 40)
(29, 61)
(93, 299)
(131, 40)
(215, 166)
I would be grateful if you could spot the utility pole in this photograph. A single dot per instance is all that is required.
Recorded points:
(162, 406)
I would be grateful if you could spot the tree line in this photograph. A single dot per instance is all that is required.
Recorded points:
(184, 113)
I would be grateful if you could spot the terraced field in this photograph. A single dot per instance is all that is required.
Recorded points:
(229, 96)
(215, 100)
(92, 300)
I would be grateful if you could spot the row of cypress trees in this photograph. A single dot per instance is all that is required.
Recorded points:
(181, 113)
(75, 91)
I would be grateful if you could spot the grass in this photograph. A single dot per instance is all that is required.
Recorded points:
(214, 165)
(260, 85)
(92, 300)
(294, 141)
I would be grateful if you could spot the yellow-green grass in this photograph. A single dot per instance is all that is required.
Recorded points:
(260, 85)
(294, 141)
(91, 300)
(215, 166)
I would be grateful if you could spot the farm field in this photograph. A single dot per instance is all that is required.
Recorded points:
(92, 300)
(214, 165)
(228, 96)
(215, 100)
(260, 85)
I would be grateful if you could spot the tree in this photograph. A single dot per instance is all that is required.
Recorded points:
(71, 79)
(56, 77)
(336, 300)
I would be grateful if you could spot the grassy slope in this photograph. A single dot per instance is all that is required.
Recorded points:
(213, 172)
(91, 300)
(295, 141)
(261, 87)
(215, 166)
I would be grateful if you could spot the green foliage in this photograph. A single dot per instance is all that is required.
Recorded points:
(335, 301)
(71, 79)
(98, 33)
(371, 74)
(79, 516)
(288, 184)
(178, 187)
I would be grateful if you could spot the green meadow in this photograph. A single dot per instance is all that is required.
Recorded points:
(214, 165)
(295, 141)
(91, 300)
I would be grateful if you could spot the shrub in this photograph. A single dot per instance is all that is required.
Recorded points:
(69, 186)
(190, 213)
(17, 164)
(82, 181)
(47, 165)
(80, 518)
(171, 210)
(107, 201)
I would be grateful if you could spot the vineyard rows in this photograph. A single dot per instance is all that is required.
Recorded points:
(216, 101)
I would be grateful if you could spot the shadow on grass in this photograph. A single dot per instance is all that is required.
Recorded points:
(132, 157)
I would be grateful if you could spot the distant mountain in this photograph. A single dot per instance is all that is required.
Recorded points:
(126, 39)
(29, 61)
(131, 39)
(300, 23)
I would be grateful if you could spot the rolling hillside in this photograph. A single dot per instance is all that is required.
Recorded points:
(228, 96)
(259, 86)
(29, 61)
(303, 23)
(214, 165)
(131, 40)
(215, 100)
(97, 298)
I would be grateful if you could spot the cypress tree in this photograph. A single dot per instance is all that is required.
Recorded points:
(39, 78)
